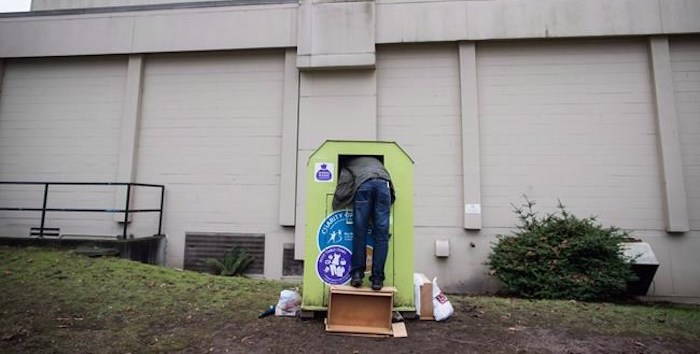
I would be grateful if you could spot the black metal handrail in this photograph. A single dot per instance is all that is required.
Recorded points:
(126, 209)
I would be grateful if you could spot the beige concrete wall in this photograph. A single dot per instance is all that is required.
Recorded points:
(569, 120)
(576, 121)
(558, 120)
(677, 255)
(60, 120)
(418, 88)
(419, 107)
(211, 132)
(334, 104)
(685, 62)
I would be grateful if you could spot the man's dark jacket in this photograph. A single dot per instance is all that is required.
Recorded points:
(353, 174)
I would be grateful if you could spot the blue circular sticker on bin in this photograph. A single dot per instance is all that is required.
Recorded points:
(336, 230)
(333, 265)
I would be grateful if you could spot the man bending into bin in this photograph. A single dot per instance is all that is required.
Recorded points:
(364, 182)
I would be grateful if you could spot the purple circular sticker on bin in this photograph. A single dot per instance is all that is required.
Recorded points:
(333, 265)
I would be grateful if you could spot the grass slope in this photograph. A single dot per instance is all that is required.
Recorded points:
(60, 301)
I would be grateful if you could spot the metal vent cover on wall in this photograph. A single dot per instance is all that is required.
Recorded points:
(202, 245)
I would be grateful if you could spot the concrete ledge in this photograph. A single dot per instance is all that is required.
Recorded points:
(330, 28)
(336, 35)
(399, 22)
(173, 30)
(150, 7)
(336, 61)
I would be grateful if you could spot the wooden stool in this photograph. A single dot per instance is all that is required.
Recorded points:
(360, 310)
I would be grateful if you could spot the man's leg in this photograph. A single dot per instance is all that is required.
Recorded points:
(361, 214)
(381, 210)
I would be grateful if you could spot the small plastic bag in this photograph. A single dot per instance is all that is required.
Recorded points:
(289, 303)
(417, 282)
(442, 308)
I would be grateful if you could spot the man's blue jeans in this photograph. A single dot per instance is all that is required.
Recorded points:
(372, 205)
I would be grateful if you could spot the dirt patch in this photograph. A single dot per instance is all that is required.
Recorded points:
(466, 332)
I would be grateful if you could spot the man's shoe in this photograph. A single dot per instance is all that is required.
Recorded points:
(377, 285)
(356, 281)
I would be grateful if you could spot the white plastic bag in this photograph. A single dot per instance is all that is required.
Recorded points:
(442, 308)
(417, 282)
(289, 303)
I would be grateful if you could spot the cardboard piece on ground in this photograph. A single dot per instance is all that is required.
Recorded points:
(426, 298)
(360, 310)
(399, 329)
(367, 335)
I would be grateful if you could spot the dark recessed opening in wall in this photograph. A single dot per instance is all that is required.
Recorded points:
(291, 266)
(343, 159)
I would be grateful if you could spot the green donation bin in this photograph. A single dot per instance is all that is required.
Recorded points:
(328, 233)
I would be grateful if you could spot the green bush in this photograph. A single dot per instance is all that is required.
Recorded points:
(234, 262)
(560, 256)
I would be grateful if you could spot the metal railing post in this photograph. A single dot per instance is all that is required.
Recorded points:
(160, 219)
(43, 210)
(126, 208)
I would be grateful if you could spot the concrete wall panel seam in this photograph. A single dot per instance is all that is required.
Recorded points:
(685, 62)
(290, 126)
(471, 175)
(675, 196)
(131, 111)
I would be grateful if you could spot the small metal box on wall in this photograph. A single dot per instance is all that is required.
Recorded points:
(328, 233)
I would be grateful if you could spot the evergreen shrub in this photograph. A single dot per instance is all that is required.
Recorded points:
(560, 256)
